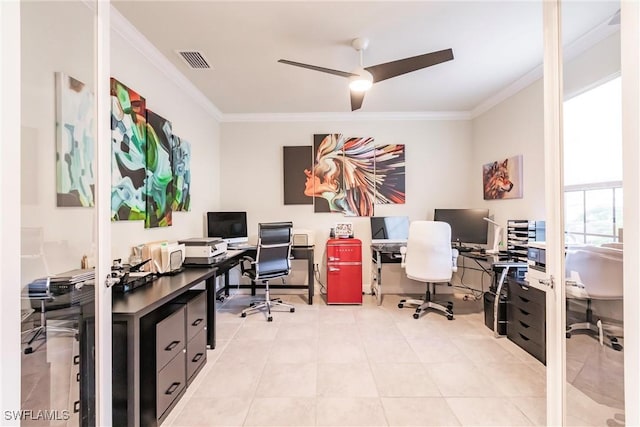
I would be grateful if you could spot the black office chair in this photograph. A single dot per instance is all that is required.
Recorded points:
(273, 261)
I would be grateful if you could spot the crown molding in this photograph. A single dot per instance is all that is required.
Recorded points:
(515, 87)
(138, 41)
(345, 117)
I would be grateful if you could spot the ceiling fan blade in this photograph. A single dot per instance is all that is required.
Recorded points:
(387, 70)
(316, 68)
(356, 100)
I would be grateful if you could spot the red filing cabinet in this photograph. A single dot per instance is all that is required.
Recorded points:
(344, 271)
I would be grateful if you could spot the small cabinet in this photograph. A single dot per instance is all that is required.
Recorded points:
(163, 369)
(196, 331)
(526, 318)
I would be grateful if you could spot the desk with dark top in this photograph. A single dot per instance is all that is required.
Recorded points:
(297, 252)
(128, 310)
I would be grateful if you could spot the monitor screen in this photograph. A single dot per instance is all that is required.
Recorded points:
(467, 225)
(230, 226)
(389, 229)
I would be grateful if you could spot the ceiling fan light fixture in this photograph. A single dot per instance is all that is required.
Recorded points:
(362, 82)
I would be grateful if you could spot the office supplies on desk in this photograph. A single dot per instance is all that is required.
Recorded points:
(203, 250)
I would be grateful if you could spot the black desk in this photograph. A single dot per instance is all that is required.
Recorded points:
(127, 311)
(297, 252)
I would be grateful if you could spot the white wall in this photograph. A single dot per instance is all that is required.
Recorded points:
(513, 127)
(68, 232)
(190, 122)
(438, 160)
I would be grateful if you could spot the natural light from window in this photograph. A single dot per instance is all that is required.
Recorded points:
(593, 165)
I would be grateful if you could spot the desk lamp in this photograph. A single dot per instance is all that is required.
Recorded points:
(497, 236)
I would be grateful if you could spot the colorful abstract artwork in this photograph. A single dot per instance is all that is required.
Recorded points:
(128, 153)
(159, 188)
(181, 169)
(351, 174)
(502, 179)
(296, 160)
(75, 142)
(390, 174)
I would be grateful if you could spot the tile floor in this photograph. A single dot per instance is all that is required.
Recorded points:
(363, 365)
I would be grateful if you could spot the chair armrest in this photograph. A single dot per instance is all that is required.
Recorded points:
(246, 264)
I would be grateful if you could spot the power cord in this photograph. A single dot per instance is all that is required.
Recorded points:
(316, 273)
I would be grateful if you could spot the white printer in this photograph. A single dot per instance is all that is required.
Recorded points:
(203, 250)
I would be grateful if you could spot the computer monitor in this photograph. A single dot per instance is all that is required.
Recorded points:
(230, 226)
(467, 225)
(389, 229)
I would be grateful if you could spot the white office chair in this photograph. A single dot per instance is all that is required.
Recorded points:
(594, 272)
(429, 258)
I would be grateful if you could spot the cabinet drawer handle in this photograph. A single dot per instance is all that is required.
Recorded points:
(173, 387)
(78, 377)
(76, 406)
(524, 325)
(197, 357)
(172, 345)
(523, 337)
(526, 313)
(76, 359)
(524, 288)
(197, 322)
(524, 299)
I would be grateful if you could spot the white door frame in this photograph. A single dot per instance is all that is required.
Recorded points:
(556, 315)
(554, 196)
(9, 212)
(104, 373)
(10, 87)
(630, 46)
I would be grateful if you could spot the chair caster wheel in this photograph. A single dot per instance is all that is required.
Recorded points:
(28, 350)
(416, 316)
(243, 315)
(400, 305)
(221, 299)
(269, 319)
(449, 307)
(449, 316)
(292, 310)
(616, 346)
(568, 335)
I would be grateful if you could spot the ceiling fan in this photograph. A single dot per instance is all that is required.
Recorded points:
(361, 79)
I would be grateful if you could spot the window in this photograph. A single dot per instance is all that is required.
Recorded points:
(593, 165)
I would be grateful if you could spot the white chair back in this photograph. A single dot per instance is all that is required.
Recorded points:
(429, 254)
(597, 270)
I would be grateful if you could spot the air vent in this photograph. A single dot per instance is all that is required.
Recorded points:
(194, 59)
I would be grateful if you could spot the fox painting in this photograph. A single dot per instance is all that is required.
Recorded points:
(500, 178)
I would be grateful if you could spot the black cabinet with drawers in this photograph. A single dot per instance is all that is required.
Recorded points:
(526, 318)
(160, 338)
(173, 350)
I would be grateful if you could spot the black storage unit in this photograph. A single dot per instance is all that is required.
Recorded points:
(162, 362)
(489, 301)
(526, 318)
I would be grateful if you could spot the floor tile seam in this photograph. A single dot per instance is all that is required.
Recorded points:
(443, 398)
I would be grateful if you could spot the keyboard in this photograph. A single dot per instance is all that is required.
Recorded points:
(391, 247)
(465, 249)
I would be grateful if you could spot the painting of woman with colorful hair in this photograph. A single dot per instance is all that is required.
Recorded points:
(344, 174)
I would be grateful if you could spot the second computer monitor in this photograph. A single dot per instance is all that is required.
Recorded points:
(389, 229)
(467, 225)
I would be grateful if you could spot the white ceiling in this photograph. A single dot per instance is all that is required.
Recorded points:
(494, 44)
